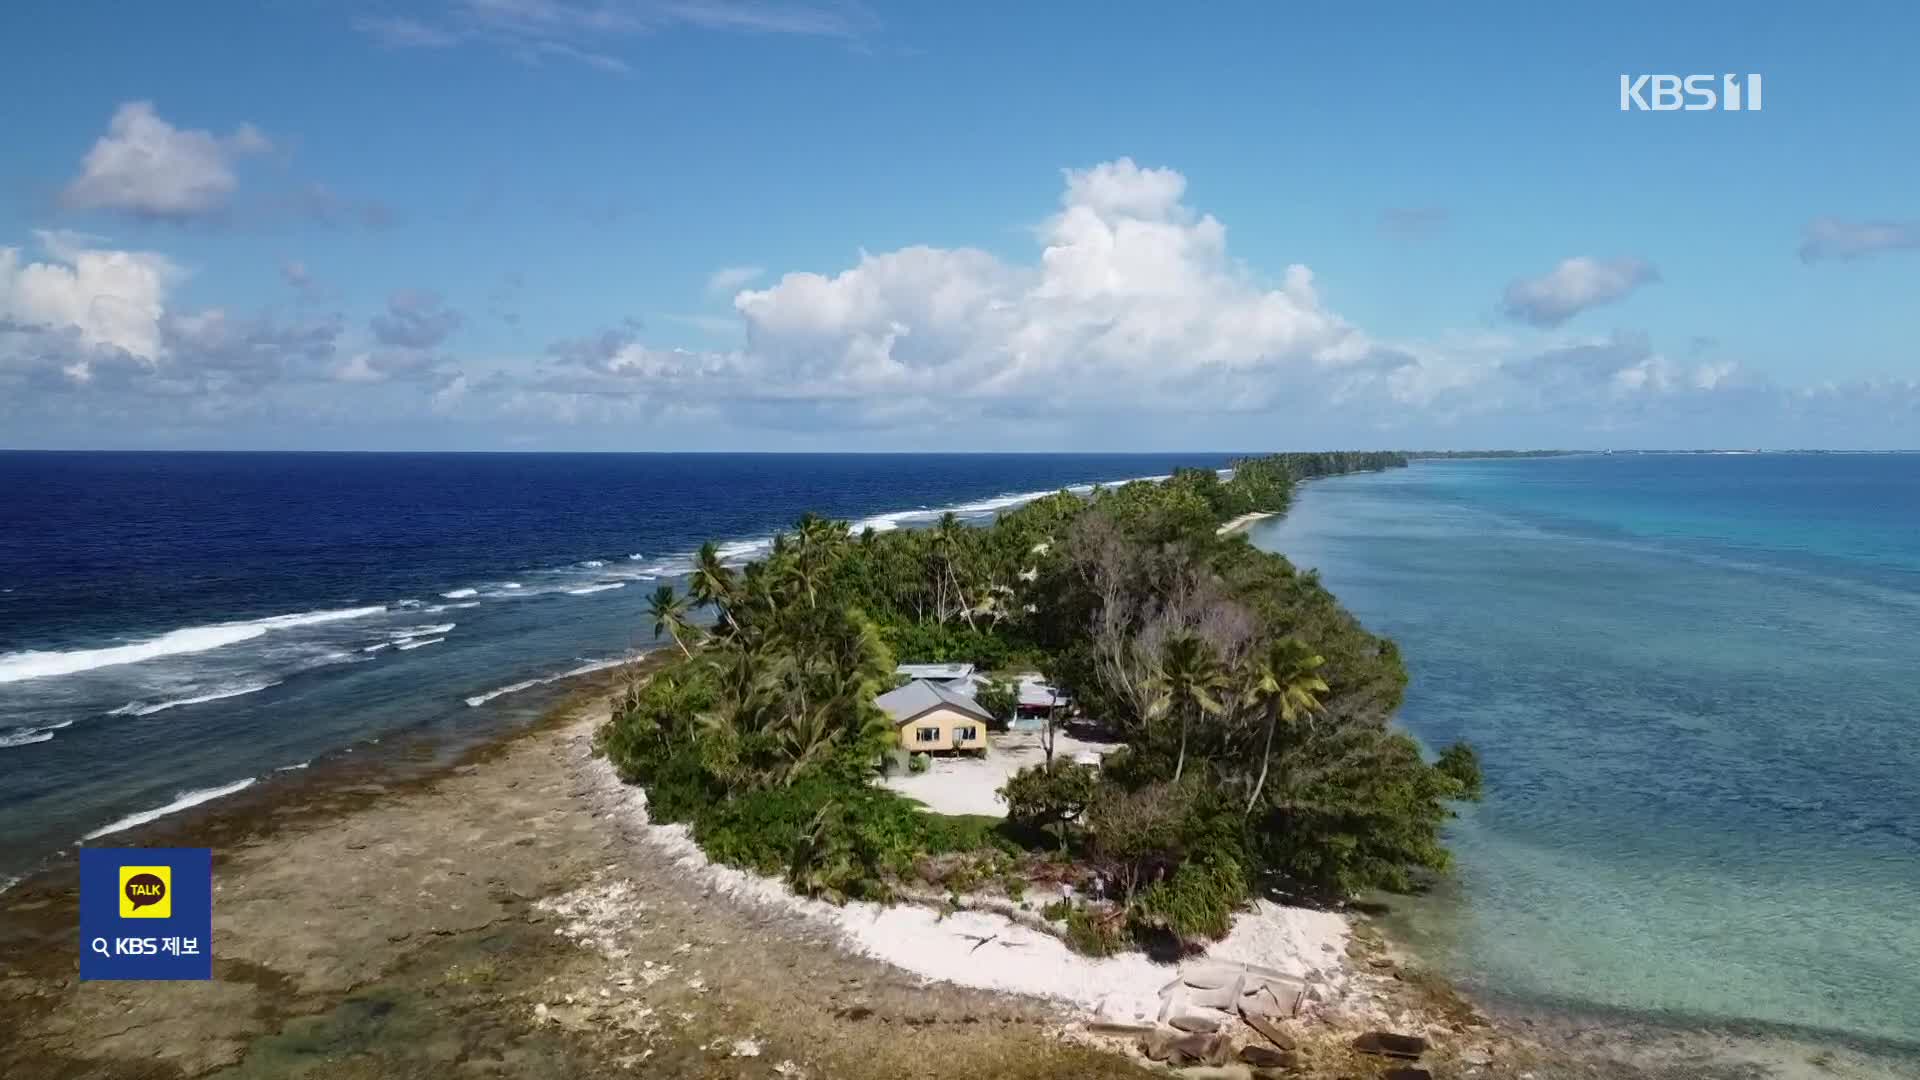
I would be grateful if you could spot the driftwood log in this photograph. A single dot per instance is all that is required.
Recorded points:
(991, 905)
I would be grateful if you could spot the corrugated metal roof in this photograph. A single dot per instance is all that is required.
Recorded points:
(1035, 692)
(943, 672)
(918, 696)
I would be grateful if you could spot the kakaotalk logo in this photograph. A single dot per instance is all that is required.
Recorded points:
(144, 892)
(1689, 93)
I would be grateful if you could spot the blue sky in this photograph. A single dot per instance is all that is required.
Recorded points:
(709, 224)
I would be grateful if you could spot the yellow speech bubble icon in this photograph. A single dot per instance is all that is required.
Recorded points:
(146, 892)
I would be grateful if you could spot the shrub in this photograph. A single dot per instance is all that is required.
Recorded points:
(1095, 933)
(1370, 818)
(1461, 765)
(919, 763)
(1040, 796)
(828, 838)
(1138, 834)
(945, 834)
(945, 643)
(1198, 901)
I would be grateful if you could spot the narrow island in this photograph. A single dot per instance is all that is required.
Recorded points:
(1152, 742)
(1082, 793)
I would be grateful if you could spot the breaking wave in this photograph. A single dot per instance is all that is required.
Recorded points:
(31, 735)
(33, 664)
(142, 708)
(478, 700)
(180, 802)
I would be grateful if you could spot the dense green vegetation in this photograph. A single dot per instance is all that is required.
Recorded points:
(1254, 711)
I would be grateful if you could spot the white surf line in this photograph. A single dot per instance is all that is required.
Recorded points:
(141, 708)
(478, 700)
(180, 802)
(42, 664)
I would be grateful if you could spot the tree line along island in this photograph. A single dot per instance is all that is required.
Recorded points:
(1245, 717)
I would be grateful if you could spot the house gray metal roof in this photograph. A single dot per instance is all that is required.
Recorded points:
(1034, 692)
(909, 701)
(940, 672)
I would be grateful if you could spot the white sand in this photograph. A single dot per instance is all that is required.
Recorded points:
(964, 784)
(1013, 959)
(1243, 521)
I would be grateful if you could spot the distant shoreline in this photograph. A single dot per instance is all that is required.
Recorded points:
(1245, 522)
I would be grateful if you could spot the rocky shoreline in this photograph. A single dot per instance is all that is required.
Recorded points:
(511, 916)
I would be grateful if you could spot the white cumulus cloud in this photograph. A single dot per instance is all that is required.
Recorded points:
(108, 297)
(1574, 286)
(1133, 301)
(147, 167)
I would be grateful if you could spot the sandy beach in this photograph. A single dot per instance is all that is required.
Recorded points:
(1243, 522)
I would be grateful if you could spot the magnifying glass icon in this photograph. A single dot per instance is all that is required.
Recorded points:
(99, 945)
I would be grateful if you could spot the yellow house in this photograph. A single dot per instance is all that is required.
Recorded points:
(928, 716)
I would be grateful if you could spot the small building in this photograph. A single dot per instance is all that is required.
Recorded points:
(954, 676)
(928, 716)
(1039, 700)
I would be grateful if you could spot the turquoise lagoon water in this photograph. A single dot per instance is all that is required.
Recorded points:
(1694, 682)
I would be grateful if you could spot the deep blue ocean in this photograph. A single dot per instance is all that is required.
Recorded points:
(1694, 682)
(175, 625)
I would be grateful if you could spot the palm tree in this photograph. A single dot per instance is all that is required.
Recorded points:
(945, 542)
(793, 579)
(669, 613)
(712, 584)
(1286, 683)
(758, 583)
(816, 543)
(817, 535)
(1189, 677)
(807, 736)
(747, 684)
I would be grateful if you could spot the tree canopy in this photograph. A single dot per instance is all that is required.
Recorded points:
(1255, 711)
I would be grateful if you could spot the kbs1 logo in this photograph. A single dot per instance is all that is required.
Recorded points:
(1689, 93)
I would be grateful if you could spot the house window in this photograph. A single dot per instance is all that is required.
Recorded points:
(965, 734)
(927, 734)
